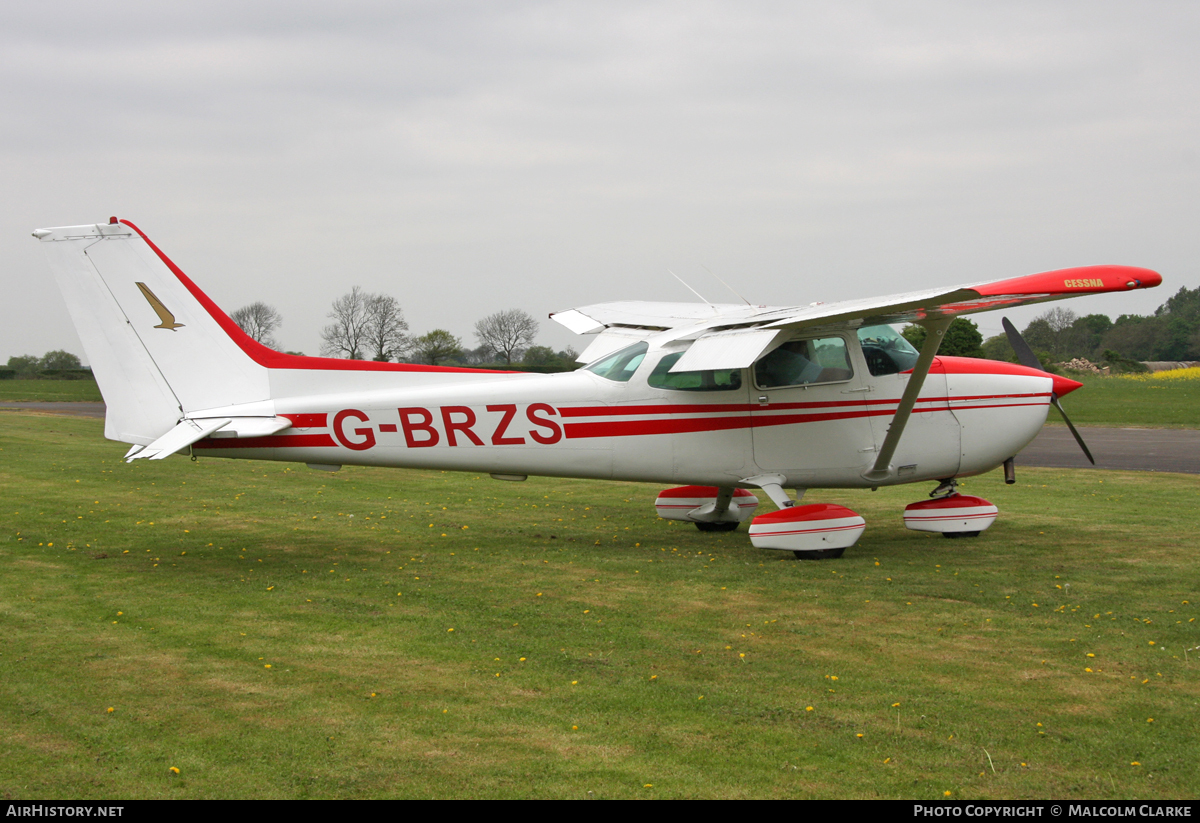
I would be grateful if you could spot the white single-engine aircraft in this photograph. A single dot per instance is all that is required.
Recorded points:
(722, 398)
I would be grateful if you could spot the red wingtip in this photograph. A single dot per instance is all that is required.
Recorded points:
(1082, 280)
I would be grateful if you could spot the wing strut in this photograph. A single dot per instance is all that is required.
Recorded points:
(934, 331)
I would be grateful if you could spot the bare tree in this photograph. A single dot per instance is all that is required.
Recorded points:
(259, 321)
(507, 332)
(346, 336)
(385, 327)
(436, 347)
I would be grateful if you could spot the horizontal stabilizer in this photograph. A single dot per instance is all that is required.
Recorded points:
(250, 426)
(183, 435)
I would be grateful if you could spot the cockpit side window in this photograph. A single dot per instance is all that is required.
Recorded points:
(621, 365)
(710, 380)
(803, 362)
(886, 352)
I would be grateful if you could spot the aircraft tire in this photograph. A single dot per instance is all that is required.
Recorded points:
(822, 554)
(719, 526)
(953, 535)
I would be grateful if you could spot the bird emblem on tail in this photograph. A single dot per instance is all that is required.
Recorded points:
(164, 314)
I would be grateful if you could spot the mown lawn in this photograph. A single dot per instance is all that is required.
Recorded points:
(271, 631)
(20, 391)
(1169, 400)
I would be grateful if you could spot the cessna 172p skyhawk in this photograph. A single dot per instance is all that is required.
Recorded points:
(722, 398)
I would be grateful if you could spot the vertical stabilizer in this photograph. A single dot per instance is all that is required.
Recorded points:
(157, 351)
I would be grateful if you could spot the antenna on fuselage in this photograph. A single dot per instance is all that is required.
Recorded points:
(693, 291)
(726, 285)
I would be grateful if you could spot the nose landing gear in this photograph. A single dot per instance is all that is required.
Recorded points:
(950, 513)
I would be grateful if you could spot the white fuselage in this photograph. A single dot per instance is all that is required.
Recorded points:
(579, 424)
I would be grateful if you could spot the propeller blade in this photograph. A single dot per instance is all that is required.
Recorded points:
(1025, 355)
(1067, 420)
(1030, 360)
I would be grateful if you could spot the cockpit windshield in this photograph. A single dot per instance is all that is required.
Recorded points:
(620, 365)
(886, 351)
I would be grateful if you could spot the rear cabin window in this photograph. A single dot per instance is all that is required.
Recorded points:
(886, 352)
(621, 365)
(711, 380)
(803, 362)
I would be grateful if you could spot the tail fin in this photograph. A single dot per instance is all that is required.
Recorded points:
(160, 349)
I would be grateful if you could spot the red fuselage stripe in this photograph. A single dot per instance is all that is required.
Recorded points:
(750, 417)
(278, 441)
(713, 408)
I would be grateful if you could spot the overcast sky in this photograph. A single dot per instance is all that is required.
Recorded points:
(477, 156)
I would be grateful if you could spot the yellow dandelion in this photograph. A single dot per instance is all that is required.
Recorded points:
(1135, 763)
(174, 770)
(111, 709)
(574, 682)
(859, 735)
(654, 677)
(574, 728)
(808, 708)
(887, 760)
(946, 793)
(1149, 719)
(266, 665)
(895, 705)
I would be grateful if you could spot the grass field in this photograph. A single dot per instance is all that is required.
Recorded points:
(271, 631)
(24, 391)
(1153, 402)
(1167, 400)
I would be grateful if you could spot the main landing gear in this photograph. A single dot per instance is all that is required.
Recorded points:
(711, 508)
(720, 526)
(819, 531)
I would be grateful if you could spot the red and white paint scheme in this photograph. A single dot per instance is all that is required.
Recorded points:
(703, 506)
(733, 397)
(955, 514)
(816, 531)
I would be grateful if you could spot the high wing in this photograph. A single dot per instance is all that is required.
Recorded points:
(730, 336)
